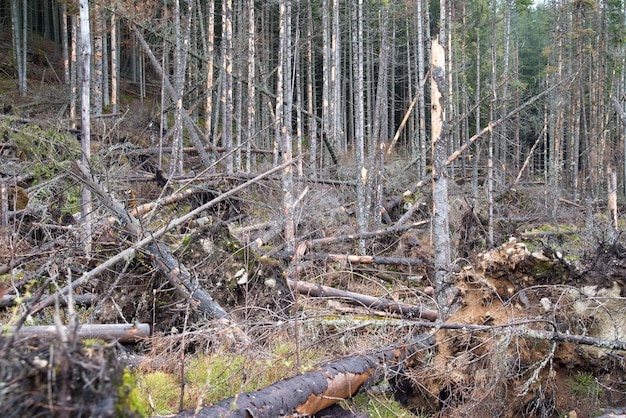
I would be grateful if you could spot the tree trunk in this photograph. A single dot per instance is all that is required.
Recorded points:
(123, 333)
(359, 120)
(371, 302)
(441, 230)
(311, 392)
(85, 144)
(227, 77)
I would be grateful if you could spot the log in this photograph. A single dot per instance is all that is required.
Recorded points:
(372, 234)
(314, 391)
(354, 259)
(124, 333)
(388, 305)
(11, 300)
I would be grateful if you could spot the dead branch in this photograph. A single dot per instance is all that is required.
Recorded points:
(521, 329)
(372, 302)
(355, 259)
(129, 252)
(190, 150)
(365, 235)
(311, 392)
(124, 333)
(12, 300)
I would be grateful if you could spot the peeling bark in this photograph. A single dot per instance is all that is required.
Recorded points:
(314, 391)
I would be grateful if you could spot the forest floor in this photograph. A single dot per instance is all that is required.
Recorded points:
(550, 271)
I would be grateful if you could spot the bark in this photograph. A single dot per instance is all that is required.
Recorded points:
(381, 304)
(124, 333)
(251, 84)
(114, 65)
(441, 229)
(313, 391)
(85, 143)
(227, 77)
(359, 120)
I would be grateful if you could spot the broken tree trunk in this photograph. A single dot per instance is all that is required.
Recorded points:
(314, 391)
(371, 302)
(124, 333)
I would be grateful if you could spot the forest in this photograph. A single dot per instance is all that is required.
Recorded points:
(313, 208)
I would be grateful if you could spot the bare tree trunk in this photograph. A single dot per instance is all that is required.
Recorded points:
(251, 80)
(73, 70)
(182, 46)
(283, 118)
(85, 145)
(65, 47)
(326, 71)
(210, 52)
(20, 42)
(310, 98)
(441, 230)
(227, 77)
(335, 76)
(114, 65)
(97, 60)
(359, 120)
(422, 84)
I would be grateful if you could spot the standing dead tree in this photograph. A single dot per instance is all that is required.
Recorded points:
(311, 392)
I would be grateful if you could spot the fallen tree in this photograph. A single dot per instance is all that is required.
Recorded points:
(124, 333)
(372, 302)
(311, 392)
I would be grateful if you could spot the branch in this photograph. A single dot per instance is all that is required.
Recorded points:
(372, 302)
(152, 236)
(124, 333)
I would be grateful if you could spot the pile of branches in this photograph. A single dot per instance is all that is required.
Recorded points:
(60, 377)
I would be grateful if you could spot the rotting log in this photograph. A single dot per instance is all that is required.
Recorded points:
(311, 392)
(124, 333)
(372, 302)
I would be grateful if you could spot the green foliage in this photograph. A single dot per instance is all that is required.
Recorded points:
(584, 385)
(379, 406)
(128, 401)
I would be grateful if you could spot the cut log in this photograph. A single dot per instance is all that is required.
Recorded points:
(404, 309)
(124, 333)
(314, 391)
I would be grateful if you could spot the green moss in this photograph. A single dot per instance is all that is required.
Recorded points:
(210, 378)
(160, 390)
(379, 406)
(129, 402)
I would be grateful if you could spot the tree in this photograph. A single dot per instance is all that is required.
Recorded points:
(445, 291)
(85, 122)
